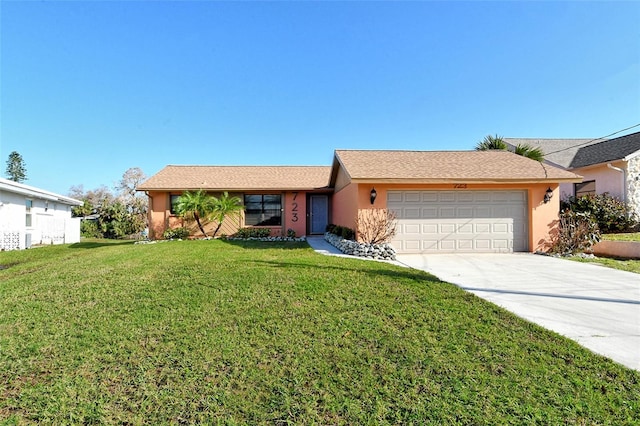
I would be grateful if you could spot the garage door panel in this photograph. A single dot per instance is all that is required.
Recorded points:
(464, 212)
(482, 244)
(429, 197)
(464, 221)
(394, 197)
(412, 197)
(429, 228)
(430, 213)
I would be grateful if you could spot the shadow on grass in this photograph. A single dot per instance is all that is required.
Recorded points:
(263, 245)
(99, 243)
(405, 273)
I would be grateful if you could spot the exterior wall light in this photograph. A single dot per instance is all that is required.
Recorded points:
(373, 195)
(547, 195)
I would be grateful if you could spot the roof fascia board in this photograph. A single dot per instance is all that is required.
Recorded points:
(38, 193)
(632, 155)
(576, 179)
(334, 170)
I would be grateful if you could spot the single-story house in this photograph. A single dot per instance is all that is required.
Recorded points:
(611, 166)
(451, 201)
(31, 216)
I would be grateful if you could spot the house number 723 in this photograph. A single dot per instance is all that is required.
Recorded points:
(294, 208)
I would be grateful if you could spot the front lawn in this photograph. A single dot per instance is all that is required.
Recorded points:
(198, 332)
(630, 265)
(633, 236)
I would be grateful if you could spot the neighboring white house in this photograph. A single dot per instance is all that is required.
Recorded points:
(31, 216)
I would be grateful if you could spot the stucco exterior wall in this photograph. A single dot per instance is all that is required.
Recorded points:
(51, 222)
(543, 218)
(607, 180)
(633, 183)
(294, 216)
(344, 207)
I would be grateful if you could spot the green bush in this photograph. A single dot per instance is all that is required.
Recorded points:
(291, 233)
(89, 229)
(176, 234)
(253, 233)
(341, 231)
(611, 214)
(348, 233)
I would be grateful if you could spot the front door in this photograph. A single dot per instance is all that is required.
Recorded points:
(319, 208)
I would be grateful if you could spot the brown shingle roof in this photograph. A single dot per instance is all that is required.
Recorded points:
(238, 178)
(447, 166)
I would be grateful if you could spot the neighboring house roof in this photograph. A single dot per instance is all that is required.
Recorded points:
(577, 153)
(237, 178)
(621, 148)
(445, 166)
(31, 191)
(557, 151)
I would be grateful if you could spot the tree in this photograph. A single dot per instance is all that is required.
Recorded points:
(115, 216)
(16, 169)
(225, 206)
(496, 142)
(196, 206)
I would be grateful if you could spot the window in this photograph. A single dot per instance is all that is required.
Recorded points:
(263, 210)
(173, 203)
(28, 218)
(585, 188)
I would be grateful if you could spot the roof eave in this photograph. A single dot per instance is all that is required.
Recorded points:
(575, 179)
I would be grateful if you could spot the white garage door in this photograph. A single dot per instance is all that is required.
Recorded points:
(460, 221)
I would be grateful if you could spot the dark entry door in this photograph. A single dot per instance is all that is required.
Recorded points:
(319, 213)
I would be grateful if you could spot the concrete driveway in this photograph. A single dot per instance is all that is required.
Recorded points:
(598, 307)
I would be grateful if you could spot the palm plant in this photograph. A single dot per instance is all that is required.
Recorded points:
(224, 206)
(196, 206)
(496, 142)
(530, 152)
(491, 142)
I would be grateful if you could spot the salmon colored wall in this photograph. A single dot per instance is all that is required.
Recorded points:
(295, 212)
(344, 206)
(543, 222)
(161, 219)
(543, 217)
(294, 217)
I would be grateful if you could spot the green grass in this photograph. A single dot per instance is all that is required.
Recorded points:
(630, 265)
(211, 332)
(634, 236)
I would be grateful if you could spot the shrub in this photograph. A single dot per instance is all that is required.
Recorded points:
(376, 226)
(330, 228)
(291, 233)
(611, 214)
(176, 234)
(252, 233)
(89, 229)
(578, 232)
(348, 233)
(341, 231)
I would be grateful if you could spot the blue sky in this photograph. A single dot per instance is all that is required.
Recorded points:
(92, 88)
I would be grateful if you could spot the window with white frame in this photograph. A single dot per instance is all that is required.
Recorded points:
(29, 217)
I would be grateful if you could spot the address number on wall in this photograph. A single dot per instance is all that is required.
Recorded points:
(294, 208)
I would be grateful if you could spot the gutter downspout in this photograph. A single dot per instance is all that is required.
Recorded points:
(624, 180)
